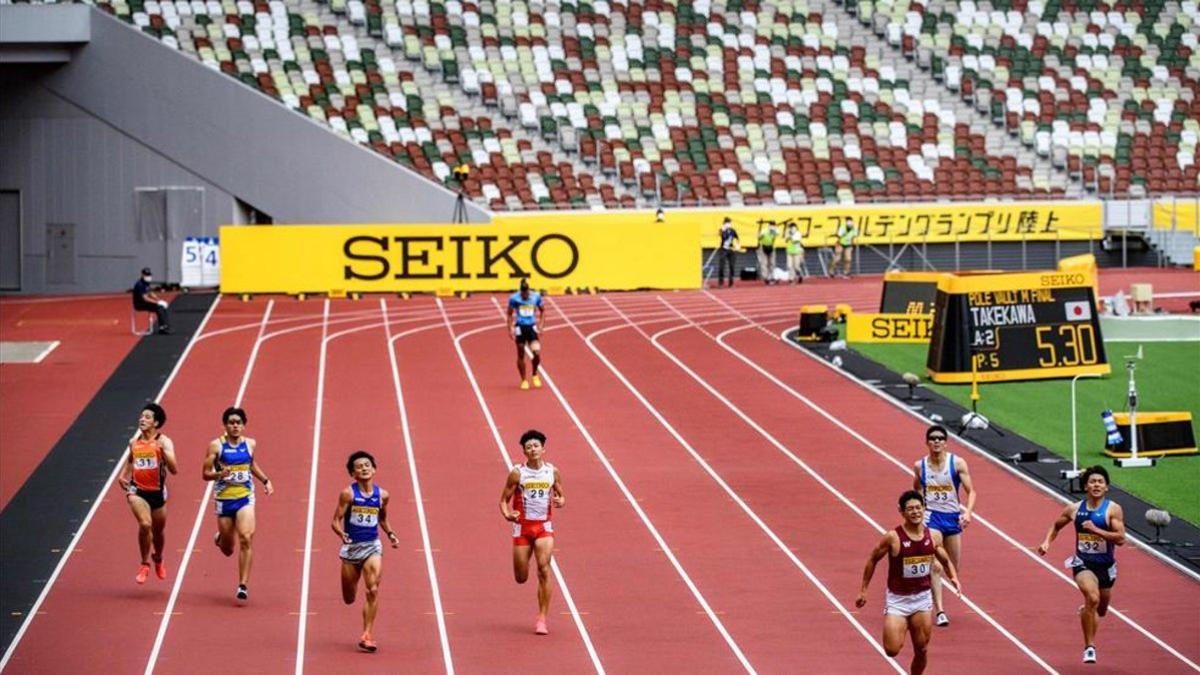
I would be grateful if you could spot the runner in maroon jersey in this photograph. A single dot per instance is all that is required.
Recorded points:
(910, 548)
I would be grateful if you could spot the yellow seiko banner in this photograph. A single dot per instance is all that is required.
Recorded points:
(877, 223)
(1178, 213)
(907, 328)
(554, 253)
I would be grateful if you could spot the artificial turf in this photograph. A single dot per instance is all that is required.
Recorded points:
(1168, 379)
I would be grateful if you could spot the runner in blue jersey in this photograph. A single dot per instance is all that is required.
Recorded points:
(1099, 529)
(361, 511)
(526, 315)
(232, 464)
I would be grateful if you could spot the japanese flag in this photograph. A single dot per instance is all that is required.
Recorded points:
(1078, 311)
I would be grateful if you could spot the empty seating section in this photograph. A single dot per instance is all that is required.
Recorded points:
(577, 103)
(1110, 91)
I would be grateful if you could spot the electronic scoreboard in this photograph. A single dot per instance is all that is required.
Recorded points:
(1023, 326)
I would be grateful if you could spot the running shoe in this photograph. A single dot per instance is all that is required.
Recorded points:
(1089, 654)
(242, 593)
(367, 644)
(143, 573)
(942, 619)
(537, 382)
(540, 627)
(160, 569)
(524, 384)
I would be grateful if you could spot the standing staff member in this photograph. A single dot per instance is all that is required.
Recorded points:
(144, 479)
(797, 270)
(938, 477)
(360, 512)
(727, 253)
(767, 233)
(1099, 530)
(526, 316)
(843, 247)
(911, 549)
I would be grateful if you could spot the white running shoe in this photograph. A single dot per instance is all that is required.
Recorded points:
(942, 620)
(1089, 655)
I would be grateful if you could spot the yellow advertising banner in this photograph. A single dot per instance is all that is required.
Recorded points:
(877, 223)
(1178, 213)
(905, 328)
(393, 258)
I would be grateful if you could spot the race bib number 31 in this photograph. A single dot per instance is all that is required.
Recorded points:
(917, 566)
(148, 462)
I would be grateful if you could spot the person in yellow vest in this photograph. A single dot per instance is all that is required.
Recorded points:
(843, 247)
(767, 233)
(797, 270)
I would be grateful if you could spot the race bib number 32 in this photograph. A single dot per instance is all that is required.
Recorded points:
(917, 566)
(1090, 543)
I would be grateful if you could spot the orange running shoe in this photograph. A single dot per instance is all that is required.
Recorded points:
(540, 627)
(143, 573)
(367, 644)
(160, 569)
(537, 382)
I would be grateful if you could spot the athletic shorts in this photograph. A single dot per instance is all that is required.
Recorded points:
(228, 508)
(358, 552)
(526, 532)
(155, 498)
(907, 605)
(946, 523)
(525, 333)
(1106, 574)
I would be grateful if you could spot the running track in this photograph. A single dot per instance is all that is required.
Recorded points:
(722, 489)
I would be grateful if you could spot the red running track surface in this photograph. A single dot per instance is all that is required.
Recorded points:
(701, 530)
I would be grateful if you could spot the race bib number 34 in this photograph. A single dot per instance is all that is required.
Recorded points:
(366, 516)
(917, 566)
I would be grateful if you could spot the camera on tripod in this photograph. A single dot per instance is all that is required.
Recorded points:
(461, 172)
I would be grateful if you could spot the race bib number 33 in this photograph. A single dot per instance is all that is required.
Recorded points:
(917, 566)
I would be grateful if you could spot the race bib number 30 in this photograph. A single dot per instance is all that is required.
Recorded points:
(1090, 543)
(917, 566)
(366, 516)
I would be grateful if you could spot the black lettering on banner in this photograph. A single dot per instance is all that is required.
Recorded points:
(945, 219)
(1050, 218)
(885, 221)
(1027, 222)
(422, 257)
(537, 245)
(879, 328)
(1005, 222)
(349, 272)
(985, 216)
(806, 226)
(907, 226)
(923, 221)
(460, 244)
(505, 253)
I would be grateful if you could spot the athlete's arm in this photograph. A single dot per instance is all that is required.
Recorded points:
(210, 459)
(1065, 517)
(881, 549)
(168, 450)
(383, 521)
(510, 488)
(964, 477)
(541, 322)
(939, 551)
(510, 319)
(917, 478)
(127, 470)
(256, 469)
(556, 491)
(339, 515)
(1116, 520)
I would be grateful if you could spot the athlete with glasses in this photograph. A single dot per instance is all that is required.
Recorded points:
(938, 477)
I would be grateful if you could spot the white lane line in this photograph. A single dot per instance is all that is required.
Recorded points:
(191, 545)
(37, 604)
(588, 340)
(883, 453)
(562, 582)
(770, 438)
(416, 488)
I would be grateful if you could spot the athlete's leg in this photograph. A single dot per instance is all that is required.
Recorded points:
(372, 574)
(245, 533)
(225, 534)
(521, 358)
(1089, 586)
(1102, 608)
(158, 523)
(350, 574)
(849, 253)
(953, 544)
(521, 555)
(543, 548)
(920, 625)
(536, 347)
(141, 512)
(894, 628)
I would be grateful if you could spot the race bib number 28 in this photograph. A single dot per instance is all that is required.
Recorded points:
(238, 473)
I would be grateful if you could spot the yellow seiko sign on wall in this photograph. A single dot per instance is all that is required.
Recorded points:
(393, 258)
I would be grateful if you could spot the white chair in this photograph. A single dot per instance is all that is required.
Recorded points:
(133, 322)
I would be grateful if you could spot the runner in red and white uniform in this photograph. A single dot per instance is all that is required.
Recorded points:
(531, 493)
(144, 480)
(911, 549)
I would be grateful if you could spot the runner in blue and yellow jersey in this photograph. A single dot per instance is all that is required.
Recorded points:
(231, 463)
(144, 481)
(526, 315)
(1099, 530)
(361, 511)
